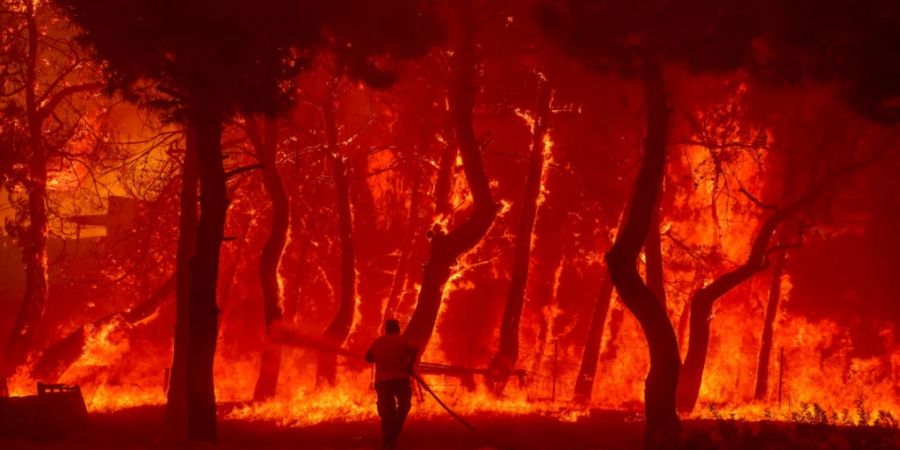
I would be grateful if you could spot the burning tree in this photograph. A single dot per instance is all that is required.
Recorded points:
(447, 247)
(264, 138)
(680, 150)
(46, 79)
(638, 41)
(210, 62)
(182, 48)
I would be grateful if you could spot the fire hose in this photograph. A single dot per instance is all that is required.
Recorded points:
(452, 413)
(456, 416)
(284, 336)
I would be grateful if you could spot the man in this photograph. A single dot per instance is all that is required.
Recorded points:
(394, 359)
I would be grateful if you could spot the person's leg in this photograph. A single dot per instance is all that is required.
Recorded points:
(387, 411)
(404, 397)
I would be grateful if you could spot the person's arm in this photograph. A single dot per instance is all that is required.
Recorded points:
(413, 351)
(370, 354)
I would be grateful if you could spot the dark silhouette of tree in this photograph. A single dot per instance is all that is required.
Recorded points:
(840, 163)
(703, 299)
(212, 59)
(339, 328)
(708, 36)
(419, 125)
(176, 396)
(653, 256)
(587, 370)
(447, 247)
(797, 42)
(659, 394)
(504, 361)
(264, 139)
(44, 75)
(765, 349)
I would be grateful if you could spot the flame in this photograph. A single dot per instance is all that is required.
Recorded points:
(820, 367)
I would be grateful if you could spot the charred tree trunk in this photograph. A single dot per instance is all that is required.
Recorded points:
(701, 304)
(176, 404)
(653, 254)
(504, 361)
(659, 393)
(204, 313)
(442, 207)
(403, 261)
(270, 258)
(587, 371)
(446, 248)
(339, 329)
(703, 300)
(444, 183)
(765, 351)
(34, 238)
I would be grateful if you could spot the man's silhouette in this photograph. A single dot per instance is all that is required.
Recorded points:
(394, 359)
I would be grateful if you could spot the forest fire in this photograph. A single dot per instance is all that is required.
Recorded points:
(597, 225)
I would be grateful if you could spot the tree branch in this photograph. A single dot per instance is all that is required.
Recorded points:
(234, 172)
(48, 107)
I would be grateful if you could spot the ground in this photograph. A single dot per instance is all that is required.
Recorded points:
(140, 429)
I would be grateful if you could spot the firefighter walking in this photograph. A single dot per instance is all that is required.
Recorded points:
(394, 359)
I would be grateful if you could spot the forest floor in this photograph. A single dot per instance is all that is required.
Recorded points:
(140, 429)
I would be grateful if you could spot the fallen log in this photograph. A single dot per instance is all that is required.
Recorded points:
(57, 358)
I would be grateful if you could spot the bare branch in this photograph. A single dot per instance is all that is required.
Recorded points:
(757, 201)
(48, 107)
(234, 172)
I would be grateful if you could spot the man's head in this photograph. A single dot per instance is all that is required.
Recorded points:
(392, 326)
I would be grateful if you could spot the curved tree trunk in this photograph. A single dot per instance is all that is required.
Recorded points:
(587, 371)
(504, 361)
(176, 402)
(653, 253)
(703, 299)
(204, 313)
(270, 258)
(339, 329)
(765, 351)
(446, 248)
(659, 393)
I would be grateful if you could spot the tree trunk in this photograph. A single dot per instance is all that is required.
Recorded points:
(504, 361)
(703, 299)
(176, 404)
(339, 329)
(659, 393)
(765, 351)
(34, 240)
(442, 207)
(446, 248)
(444, 182)
(203, 320)
(270, 258)
(403, 261)
(587, 371)
(653, 254)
